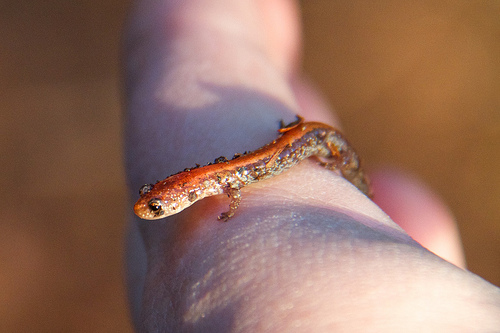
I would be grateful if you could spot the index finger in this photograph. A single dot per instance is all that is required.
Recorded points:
(205, 78)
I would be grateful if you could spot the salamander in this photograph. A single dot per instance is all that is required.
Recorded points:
(296, 142)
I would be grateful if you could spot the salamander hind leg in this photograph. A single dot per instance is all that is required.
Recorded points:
(345, 160)
(285, 128)
(358, 178)
(234, 195)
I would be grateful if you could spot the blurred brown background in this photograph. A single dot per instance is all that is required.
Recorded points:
(416, 84)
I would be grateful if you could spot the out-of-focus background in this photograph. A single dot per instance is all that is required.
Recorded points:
(415, 83)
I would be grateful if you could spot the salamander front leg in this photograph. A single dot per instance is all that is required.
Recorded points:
(234, 195)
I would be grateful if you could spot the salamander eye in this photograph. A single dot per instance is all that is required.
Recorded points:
(156, 207)
(146, 188)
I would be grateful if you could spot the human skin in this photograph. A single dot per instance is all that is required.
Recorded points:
(306, 251)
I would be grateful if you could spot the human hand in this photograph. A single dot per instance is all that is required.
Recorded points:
(305, 251)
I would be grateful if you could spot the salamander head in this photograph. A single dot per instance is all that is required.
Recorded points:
(155, 204)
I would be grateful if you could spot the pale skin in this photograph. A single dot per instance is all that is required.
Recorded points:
(307, 252)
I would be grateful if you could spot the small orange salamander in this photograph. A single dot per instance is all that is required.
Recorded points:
(297, 141)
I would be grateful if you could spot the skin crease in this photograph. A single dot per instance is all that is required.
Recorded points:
(306, 251)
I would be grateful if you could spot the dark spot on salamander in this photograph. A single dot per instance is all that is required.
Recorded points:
(146, 188)
(192, 196)
(196, 166)
(220, 159)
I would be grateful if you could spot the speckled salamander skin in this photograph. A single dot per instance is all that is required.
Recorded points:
(297, 141)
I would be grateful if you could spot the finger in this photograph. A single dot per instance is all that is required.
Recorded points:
(420, 212)
(270, 27)
(203, 78)
(280, 19)
(208, 75)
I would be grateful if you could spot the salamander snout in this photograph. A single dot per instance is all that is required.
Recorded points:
(150, 209)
